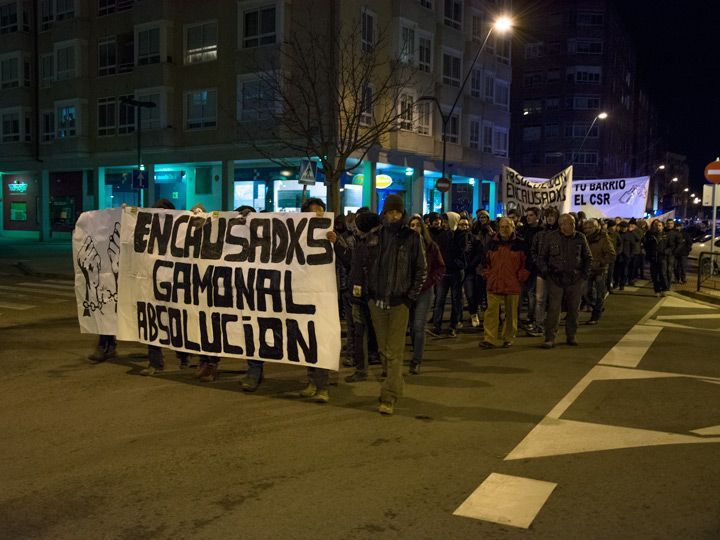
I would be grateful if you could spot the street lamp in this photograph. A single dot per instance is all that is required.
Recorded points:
(600, 116)
(139, 105)
(675, 179)
(655, 185)
(501, 25)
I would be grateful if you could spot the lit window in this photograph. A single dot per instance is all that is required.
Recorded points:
(201, 43)
(66, 121)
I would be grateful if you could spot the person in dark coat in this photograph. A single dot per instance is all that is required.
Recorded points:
(676, 242)
(603, 254)
(656, 252)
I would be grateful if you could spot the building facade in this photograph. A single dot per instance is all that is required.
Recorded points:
(93, 90)
(579, 61)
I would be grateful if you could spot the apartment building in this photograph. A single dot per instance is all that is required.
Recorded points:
(78, 75)
(578, 60)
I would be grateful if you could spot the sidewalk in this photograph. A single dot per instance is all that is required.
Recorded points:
(710, 291)
(51, 259)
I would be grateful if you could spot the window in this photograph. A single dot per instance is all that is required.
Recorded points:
(148, 46)
(126, 116)
(64, 9)
(9, 71)
(425, 53)
(107, 56)
(107, 108)
(256, 100)
(47, 62)
(10, 126)
(534, 50)
(201, 109)
(151, 117)
(582, 158)
(487, 140)
(553, 158)
(474, 134)
(18, 211)
(579, 130)
(125, 52)
(424, 117)
(426, 4)
(585, 46)
(478, 27)
(532, 106)
(590, 18)
(551, 130)
(490, 87)
(533, 79)
(451, 69)
(260, 26)
(500, 141)
(8, 17)
(584, 74)
(552, 104)
(531, 133)
(407, 44)
(201, 42)
(367, 19)
(27, 72)
(66, 121)
(502, 93)
(503, 50)
(47, 13)
(105, 7)
(366, 107)
(585, 103)
(552, 75)
(48, 126)
(453, 13)
(65, 61)
(453, 129)
(406, 112)
(28, 126)
(476, 83)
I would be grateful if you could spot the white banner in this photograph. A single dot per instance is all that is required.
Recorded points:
(259, 288)
(663, 217)
(520, 192)
(96, 259)
(620, 197)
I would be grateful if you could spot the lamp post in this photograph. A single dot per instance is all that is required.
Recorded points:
(599, 116)
(139, 105)
(656, 187)
(501, 25)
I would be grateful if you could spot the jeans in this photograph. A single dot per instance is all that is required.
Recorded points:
(364, 339)
(347, 314)
(255, 369)
(572, 295)
(669, 268)
(491, 325)
(390, 326)
(658, 274)
(319, 377)
(596, 288)
(528, 291)
(453, 283)
(470, 287)
(418, 316)
(540, 300)
(639, 267)
(610, 282)
(680, 267)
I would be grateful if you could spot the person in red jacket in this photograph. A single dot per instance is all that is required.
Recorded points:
(419, 311)
(504, 271)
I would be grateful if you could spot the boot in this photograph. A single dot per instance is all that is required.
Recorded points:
(209, 373)
(309, 391)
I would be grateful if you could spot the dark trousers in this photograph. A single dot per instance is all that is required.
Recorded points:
(596, 287)
(319, 377)
(639, 267)
(470, 287)
(680, 267)
(364, 340)
(347, 314)
(450, 283)
(528, 291)
(658, 274)
(572, 295)
(255, 369)
(418, 316)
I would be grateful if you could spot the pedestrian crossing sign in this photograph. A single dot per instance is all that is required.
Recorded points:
(307, 173)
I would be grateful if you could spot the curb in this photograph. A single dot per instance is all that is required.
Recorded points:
(709, 299)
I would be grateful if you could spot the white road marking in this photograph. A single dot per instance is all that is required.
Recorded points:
(508, 500)
(631, 288)
(712, 430)
(50, 286)
(674, 302)
(632, 347)
(689, 317)
(67, 282)
(12, 305)
(37, 290)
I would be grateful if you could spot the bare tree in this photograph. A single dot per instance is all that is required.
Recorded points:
(332, 91)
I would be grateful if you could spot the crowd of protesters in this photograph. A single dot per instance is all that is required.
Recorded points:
(396, 272)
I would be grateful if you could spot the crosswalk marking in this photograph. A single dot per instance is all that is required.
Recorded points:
(37, 290)
(66, 282)
(12, 305)
(51, 286)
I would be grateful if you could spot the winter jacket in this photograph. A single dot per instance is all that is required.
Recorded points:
(675, 241)
(686, 246)
(656, 246)
(630, 243)
(616, 241)
(528, 236)
(355, 256)
(602, 250)
(505, 270)
(435, 266)
(453, 246)
(396, 264)
(564, 259)
(538, 241)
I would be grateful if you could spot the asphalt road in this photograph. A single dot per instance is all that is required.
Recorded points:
(617, 438)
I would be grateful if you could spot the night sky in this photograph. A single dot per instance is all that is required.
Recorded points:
(678, 45)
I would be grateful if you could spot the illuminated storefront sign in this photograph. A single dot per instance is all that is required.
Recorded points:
(17, 187)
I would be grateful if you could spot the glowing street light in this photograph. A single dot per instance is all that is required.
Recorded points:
(675, 179)
(686, 190)
(601, 116)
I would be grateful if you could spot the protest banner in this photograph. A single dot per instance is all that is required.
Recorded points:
(520, 192)
(260, 287)
(96, 259)
(620, 197)
(663, 217)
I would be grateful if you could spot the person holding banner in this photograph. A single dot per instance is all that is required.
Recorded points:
(397, 271)
(564, 261)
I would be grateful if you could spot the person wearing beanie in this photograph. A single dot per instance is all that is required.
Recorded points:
(396, 269)
(453, 244)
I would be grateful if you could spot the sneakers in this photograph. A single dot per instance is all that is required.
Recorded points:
(459, 325)
(414, 369)
(486, 345)
(100, 354)
(209, 373)
(507, 344)
(250, 383)
(474, 320)
(309, 391)
(150, 370)
(434, 331)
(548, 345)
(592, 321)
(386, 409)
(533, 330)
(200, 371)
(453, 332)
(358, 376)
(321, 396)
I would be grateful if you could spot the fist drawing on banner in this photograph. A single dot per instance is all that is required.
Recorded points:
(89, 262)
(114, 253)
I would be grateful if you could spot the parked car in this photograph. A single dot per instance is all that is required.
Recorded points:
(703, 244)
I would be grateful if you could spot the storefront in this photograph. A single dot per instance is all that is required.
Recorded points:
(66, 200)
(21, 198)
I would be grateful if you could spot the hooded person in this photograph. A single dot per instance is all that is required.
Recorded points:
(453, 244)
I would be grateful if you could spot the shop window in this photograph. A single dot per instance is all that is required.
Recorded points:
(18, 211)
(201, 109)
(259, 26)
(201, 42)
